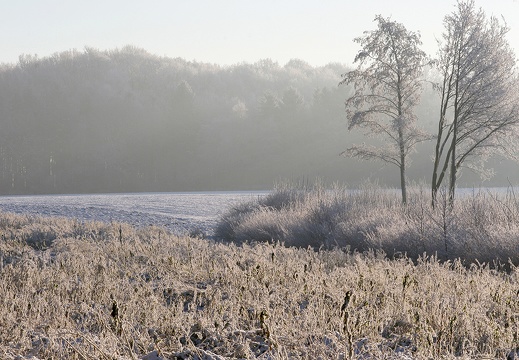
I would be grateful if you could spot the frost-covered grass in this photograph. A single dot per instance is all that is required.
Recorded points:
(71, 290)
(482, 227)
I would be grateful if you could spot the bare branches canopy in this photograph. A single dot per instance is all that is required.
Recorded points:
(479, 109)
(387, 86)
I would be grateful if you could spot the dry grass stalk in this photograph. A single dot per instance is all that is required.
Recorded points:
(188, 297)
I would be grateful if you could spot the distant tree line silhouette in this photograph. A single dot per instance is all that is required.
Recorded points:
(126, 120)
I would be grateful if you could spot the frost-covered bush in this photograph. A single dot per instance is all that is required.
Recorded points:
(481, 226)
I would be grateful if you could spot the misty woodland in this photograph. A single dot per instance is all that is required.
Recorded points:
(128, 121)
(124, 120)
(308, 271)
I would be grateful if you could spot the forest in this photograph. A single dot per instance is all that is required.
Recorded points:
(125, 120)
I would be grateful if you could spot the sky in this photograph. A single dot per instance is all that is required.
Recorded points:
(224, 32)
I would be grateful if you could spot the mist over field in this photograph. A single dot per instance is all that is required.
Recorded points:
(126, 120)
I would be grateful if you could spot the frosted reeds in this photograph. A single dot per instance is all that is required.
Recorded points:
(110, 291)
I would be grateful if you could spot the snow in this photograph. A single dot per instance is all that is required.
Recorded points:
(180, 213)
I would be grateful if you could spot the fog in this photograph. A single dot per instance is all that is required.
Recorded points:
(126, 120)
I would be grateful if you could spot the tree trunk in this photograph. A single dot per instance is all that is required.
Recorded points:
(453, 168)
(434, 185)
(402, 175)
(401, 145)
(439, 147)
(452, 182)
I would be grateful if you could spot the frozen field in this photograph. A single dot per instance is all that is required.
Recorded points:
(178, 212)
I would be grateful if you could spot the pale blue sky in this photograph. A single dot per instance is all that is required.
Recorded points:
(222, 31)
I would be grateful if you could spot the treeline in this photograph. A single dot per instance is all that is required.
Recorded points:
(125, 120)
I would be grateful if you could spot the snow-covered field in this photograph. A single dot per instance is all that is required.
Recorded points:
(179, 212)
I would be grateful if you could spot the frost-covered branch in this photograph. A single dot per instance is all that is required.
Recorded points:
(387, 86)
(478, 93)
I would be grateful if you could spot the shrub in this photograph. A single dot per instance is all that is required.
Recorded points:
(482, 226)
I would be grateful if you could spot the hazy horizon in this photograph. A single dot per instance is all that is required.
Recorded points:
(206, 96)
(226, 32)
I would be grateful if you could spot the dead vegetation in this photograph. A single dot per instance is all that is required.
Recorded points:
(483, 226)
(109, 291)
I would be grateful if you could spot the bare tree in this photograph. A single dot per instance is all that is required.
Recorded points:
(478, 84)
(387, 85)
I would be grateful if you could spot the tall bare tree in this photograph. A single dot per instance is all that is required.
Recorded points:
(388, 84)
(479, 114)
